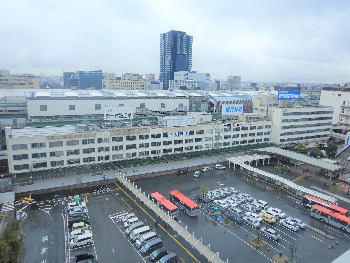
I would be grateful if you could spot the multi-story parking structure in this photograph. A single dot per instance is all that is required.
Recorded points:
(37, 149)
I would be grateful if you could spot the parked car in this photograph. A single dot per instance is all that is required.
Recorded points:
(264, 204)
(289, 224)
(254, 216)
(77, 211)
(85, 257)
(220, 167)
(267, 218)
(250, 221)
(276, 212)
(249, 208)
(75, 204)
(81, 240)
(158, 254)
(270, 233)
(207, 169)
(297, 221)
(197, 174)
(78, 232)
(126, 217)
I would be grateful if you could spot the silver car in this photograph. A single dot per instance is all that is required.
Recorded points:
(270, 233)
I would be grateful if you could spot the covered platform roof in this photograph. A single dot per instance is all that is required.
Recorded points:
(327, 165)
(247, 158)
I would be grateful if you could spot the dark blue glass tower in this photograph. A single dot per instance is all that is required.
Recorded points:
(90, 79)
(175, 55)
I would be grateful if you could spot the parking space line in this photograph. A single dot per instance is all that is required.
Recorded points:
(158, 224)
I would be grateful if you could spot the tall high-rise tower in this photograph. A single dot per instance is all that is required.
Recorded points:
(175, 55)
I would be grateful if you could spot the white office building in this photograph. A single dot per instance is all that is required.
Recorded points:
(300, 125)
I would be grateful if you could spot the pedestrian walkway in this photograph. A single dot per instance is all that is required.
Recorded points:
(336, 196)
(194, 242)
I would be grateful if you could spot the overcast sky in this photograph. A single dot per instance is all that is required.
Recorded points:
(300, 40)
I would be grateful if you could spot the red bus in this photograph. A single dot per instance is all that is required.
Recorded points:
(184, 203)
(309, 201)
(165, 204)
(331, 217)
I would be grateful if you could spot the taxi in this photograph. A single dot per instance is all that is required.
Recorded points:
(267, 218)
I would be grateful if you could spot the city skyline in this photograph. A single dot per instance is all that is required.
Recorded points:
(260, 41)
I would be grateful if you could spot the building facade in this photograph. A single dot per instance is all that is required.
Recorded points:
(189, 79)
(90, 80)
(38, 149)
(233, 83)
(23, 81)
(175, 55)
(300, 125)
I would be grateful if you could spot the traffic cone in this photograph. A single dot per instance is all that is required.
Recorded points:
(268, 249)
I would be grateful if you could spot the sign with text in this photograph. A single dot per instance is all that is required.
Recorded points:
(293, 95)
(232, 109)
(118, 113)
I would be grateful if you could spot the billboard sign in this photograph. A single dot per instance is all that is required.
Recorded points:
(232, 109)
(293, 95)
(118, 113)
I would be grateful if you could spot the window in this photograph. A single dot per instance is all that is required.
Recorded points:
(143, 137)
(88, 159)
(56, 144)
(178, 141)
(56, 154)
(73, 161)
(167, 142)
(252, 134)
(165, 135)
(155, 143)
(19, 147)
(71, 107)
(130, 138)
(57, 163)
(102, 140)
(38, 155)
(181, 105)
(143, 105)
(267, 133)
(267, 126)
(117, 156)
(88, 141)
(38, 145)
(72, 142)
(167, 150)
(188, 140)
(21, 167)
(162, 105)
(39, 165)
(73, 152)
(89, 150)
(20, 157)
(117, 139)
(130, 146)
(97, 106)
(155, 136)
(155, 152)
(43, 107)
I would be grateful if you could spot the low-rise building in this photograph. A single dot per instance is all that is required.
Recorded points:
(36, 149)
(22, 81)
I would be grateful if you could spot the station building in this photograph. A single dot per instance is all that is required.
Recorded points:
(38, 149)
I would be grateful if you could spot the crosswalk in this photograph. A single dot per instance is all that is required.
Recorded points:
(46, 205)
(7, 207)
(117, 217)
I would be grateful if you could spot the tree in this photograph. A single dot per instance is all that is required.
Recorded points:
(316, 153)
(332, 150)
(11, 242)
(334, 189)
(299, 149)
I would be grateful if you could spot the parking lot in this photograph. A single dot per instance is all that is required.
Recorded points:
(234, 243)
(45, 230)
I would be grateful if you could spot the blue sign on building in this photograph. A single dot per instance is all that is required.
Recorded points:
(293, 95)
(232, 109)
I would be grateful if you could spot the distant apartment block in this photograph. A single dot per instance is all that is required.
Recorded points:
(185, 80)
(233, 83)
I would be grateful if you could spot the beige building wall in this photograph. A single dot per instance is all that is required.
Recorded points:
(19, 82)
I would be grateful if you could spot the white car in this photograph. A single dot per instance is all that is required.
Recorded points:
(220, 167)
(197, 174)
(289, 224)
(269, 232)
(207, 169)
(277, 212)
(254, 216)
(250, 221)
(79, 232)
(297, 221)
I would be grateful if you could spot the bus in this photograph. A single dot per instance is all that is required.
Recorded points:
(167, 206)
(333, 218)
(184, 203)
(309, 201)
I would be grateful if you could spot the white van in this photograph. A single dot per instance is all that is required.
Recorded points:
(133, 227)
(220, 167)
(130, 221)
(79, 233)
(139, 231)
(82, 240)
(79, 226)
(126, 217)
(75, 205)
(145, 238)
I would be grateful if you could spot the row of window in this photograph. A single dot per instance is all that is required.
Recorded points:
(305, 132)
(307, 119)
(305, 138)
(305, 126)
(70, 107)
(307, 113)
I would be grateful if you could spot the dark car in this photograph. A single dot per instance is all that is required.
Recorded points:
(181, 172)
(158, 254)
(85, 257)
